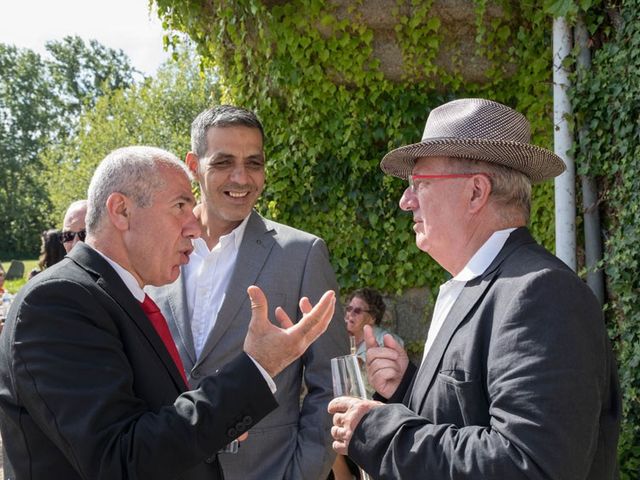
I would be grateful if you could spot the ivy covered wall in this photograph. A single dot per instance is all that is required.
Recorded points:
(606, 104)
(308, 69)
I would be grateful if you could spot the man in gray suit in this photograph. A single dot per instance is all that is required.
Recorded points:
(208, 311)
(518, 380)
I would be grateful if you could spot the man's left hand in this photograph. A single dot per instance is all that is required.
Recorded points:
(275, 348)
(347, 413)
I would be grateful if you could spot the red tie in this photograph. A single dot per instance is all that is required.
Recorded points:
(160, 324)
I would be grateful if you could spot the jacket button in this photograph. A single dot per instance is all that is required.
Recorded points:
(195, 373)
(211, 459)
(233, 433)
(247, 420)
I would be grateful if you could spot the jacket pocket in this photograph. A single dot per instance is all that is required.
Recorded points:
(464, 399)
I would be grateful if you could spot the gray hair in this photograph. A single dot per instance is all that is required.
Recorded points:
(509, 188)
(220, 116)
(131, 171)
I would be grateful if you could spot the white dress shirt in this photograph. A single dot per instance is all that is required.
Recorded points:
(207, 277)
(451, 290)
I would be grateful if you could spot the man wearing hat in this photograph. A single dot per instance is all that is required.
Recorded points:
(518, 379)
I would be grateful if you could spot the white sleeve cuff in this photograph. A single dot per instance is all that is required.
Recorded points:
(267, 378)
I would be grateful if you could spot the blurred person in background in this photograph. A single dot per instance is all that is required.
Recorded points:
(5, 298)
(365, 306)
(51, 251)
(3, 274)
(73, 225)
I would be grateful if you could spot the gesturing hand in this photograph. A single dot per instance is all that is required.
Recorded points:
(273, 347)
(385, 364)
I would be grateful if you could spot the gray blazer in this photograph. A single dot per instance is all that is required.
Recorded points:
(294, 441)
(520, 383)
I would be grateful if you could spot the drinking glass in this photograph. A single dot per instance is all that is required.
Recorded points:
(347, 378)
(348, 381)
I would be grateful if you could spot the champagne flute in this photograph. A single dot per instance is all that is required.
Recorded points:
(347, 381)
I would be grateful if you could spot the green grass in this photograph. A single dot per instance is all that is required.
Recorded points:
(12, 286)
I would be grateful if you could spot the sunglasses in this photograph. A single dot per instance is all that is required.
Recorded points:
(69, 236)
(355, 310)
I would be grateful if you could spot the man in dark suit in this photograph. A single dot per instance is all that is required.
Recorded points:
(208, 310)
(518, 380)
(91, 384)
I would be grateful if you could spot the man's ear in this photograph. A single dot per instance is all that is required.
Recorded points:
(119, 210)
(192, 161)
(481, 190)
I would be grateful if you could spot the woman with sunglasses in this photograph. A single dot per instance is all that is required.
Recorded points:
(365, 306)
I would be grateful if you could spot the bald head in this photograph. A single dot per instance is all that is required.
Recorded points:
(74, 223)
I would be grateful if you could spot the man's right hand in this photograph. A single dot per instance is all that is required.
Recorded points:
(385, 364)
(275, 348)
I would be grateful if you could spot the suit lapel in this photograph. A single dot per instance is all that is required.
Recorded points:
(254, 250)
(178, 315)
(470, 295)
(461, 310)
(112, 284)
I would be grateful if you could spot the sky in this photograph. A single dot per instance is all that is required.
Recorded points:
(118, 24)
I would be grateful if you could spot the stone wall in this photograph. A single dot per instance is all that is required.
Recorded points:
(458, 26)
(408, 315)
(458, 52)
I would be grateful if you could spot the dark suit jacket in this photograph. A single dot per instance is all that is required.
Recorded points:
(294, 441)
(520, 383)
(88, 390)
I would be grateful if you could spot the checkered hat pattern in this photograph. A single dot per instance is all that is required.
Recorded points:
(477, 129)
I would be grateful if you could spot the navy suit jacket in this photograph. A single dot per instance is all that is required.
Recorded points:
(88, 390)
(520, 383)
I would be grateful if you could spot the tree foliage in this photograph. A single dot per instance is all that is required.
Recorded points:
(26, 120)
(80, 73)
(40, 101)
(157, 112)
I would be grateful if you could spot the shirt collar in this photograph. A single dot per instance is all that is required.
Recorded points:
(234, 236)
(486, 254)
(126, 276)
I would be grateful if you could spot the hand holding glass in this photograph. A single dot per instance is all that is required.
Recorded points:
(347, 381)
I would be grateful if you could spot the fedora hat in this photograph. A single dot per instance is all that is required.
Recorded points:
(477, 129)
